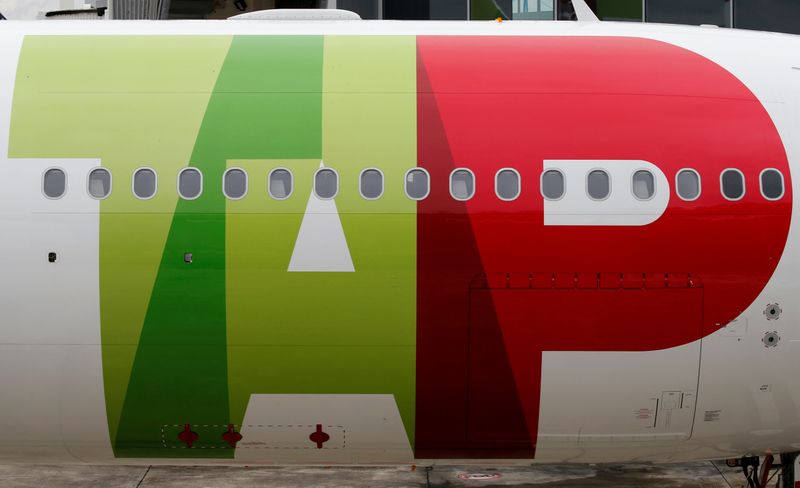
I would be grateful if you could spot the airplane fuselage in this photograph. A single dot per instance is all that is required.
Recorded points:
(374, 242)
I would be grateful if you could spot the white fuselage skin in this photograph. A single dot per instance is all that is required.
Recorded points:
(52, 406)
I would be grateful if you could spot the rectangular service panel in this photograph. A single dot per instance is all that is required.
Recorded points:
(531, 349)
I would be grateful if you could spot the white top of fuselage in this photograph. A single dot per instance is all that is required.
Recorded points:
(379, 28)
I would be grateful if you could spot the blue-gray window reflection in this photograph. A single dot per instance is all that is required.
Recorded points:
(692, 12)
(768, 15)
(425, 9)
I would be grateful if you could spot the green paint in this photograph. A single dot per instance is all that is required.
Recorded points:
(333, 332)
(189, 343)
(128, 101)
(266, 103)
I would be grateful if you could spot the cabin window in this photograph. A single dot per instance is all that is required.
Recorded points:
(234, 184)
(772, 184)
(99, 185)
(553, 184)
(643, 185)
(687, 182)
(54, 183)
(326, 183)
(371, 184)
(598, 184)
(732, 182)
(417, 184)
(280, 183)
(190, 183)
(145, 183)
(506, 184)
(462, 184)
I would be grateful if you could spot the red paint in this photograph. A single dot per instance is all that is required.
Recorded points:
(231, 436)
(494, 102)
(187, 436)
(319, 437)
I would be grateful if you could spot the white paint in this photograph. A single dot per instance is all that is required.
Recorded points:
(298, 14)
(362, 429)
(593, 403)
(53, 400)
(620, 208)
(321, 245)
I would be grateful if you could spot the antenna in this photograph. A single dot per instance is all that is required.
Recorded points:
(2, 17)
(583, 12)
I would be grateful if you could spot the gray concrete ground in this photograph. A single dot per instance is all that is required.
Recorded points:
(694, 475)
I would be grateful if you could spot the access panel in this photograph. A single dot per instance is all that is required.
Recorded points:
(568, 358)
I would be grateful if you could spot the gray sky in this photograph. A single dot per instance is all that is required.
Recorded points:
(26, 9)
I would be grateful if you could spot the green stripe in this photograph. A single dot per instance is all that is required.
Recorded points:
(333, 332)
(131, 102)
(266, 102)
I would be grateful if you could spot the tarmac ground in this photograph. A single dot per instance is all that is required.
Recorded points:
(694, 475)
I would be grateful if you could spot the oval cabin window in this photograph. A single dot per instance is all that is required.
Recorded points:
(326, 183)
(506, 184)
(417, 184)
(371, 184)
(553, 184)
(190, 183)
(145, 183)
(280, 184)
(688, 184)
(54, 183)
(772, 184)
(234, 184)
(643, 185)
(462, 184)
(732, 182)
(598, 184)
(99, 185)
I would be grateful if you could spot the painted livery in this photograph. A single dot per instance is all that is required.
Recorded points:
(241, 325)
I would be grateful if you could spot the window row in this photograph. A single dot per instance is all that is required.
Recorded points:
(417, 184)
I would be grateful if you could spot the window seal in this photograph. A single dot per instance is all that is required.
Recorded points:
(586, 185)
(655, 184)
(246, 183)
(761, 184)
(541, 184)
(89, 180)
(722, 189)
(269, 183)
(66, 182)
(133, 183)
(383, 183)
(474, 184)
(699, 184)
(405, 183)
(314, 183)
(178, 183)
(519, 184)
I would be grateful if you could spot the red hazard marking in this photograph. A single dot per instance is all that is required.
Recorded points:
(588, 98)
(231, 436)
(319, 437)
(187, 436)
